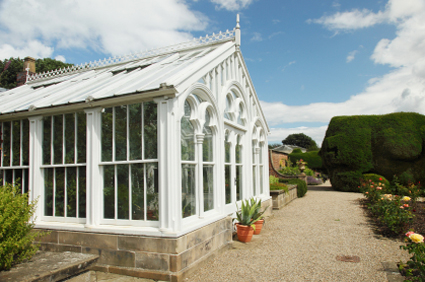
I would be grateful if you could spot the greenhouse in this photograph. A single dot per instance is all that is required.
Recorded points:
(141, 158)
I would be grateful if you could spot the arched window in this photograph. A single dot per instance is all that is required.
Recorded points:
(188, 163)
(241, 116)
(227, 110)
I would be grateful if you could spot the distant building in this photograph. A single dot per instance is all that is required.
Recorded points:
(278, 157)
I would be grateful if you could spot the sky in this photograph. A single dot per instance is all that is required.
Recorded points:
(309, 60)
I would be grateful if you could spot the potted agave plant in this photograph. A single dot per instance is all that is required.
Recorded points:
(258, 216)
(246, 224)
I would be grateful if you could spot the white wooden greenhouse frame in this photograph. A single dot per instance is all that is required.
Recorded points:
(158, 145)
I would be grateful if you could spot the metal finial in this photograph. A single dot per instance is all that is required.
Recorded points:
(237, 32)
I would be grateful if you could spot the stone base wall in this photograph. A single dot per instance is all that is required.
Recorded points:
(268, 206)
(281, 198)
(167, 259)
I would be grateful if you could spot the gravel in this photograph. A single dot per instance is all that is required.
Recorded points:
(302, 241)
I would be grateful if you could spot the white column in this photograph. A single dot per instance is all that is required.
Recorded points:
(200, 184)
(36, 183)
(94, 178)
(257, 171)
(169, 192)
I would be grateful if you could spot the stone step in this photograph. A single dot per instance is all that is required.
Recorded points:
(49, 266)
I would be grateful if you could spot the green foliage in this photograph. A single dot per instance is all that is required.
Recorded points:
(415, 267)
(8, 78)
(273, 179)
(301, 185)
(300, 140)
(387, 145)
(279, 186)
(312, 158)
(15, 227)
(248, 210)
(272, 146)
(308, 171)
(287, 170)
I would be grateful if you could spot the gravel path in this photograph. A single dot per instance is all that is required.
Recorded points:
(301, 242)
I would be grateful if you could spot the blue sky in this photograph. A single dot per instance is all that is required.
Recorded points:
(309, 60)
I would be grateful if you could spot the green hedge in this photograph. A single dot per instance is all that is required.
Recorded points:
(314, 161)
(301, 185)
(387, 145)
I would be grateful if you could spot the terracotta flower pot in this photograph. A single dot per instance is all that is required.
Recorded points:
(258, 226)
(245, 232)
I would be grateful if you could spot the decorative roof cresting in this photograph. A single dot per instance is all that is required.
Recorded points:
(196, 42)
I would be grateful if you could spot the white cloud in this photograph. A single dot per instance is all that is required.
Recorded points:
(316, 133)
(275, 34)
(350, 20)
(33, 48)
(257, 37)
(107, 26)
(275, 21)
(287, 65)
(402, 89)
(60, 58)
(232, 5)
(351, 56)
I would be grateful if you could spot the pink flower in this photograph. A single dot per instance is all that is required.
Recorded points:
(409, 233)
(367, 192)
(401, 207)
(370, 180)
(378, 188)
(406, 205)
(371, 186)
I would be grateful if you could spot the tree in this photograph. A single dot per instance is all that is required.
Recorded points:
(272, 146)
(8, 76)
(301, 140)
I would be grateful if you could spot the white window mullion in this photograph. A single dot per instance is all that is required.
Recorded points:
(144, 193)
(1, 156)
(77, 188)
(113, 134)
(52, 129)
(20, 144)
(54, 192)
(75, 138)
(143, 130)
(11, 144)
(130, 216)
(63, 139)
(128, 133)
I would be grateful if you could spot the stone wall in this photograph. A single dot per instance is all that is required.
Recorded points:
(281, 198)
(167, 259)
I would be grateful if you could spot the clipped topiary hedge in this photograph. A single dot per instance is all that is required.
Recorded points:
(314, 161)
(387, 145)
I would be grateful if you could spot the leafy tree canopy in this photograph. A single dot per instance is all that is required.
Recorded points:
(272, 146)
(301, 140)
(8, 77)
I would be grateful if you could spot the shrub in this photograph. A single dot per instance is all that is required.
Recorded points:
(301, 185)
(290, 171)
(15, 228)
(312, 158)
(387, 145)
(308, 171)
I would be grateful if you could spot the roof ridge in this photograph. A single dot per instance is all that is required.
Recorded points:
(196, 42)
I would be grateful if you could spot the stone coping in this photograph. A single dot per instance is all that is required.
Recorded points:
(49, 266)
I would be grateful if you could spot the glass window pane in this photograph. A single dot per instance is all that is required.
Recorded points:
(253, 180)
(81, 137)
(227, 109)
(238, 182)
(8, 176)
(228, 184)
(261, 180)
(122, 193)
(187, 136)
(150, 130)
(47, 139)
(107, 135)
(71, 191)
(152, 208)
(16, 147)
(207, 146)
(208, 179)
(58, 139)
(238, 150)
(188, 190)
(69, 138)
(25, 142)
(48, 191)
(241, 113)
(6, 143)
(60, 191)
(135, 131)
(227, 148)
(121, 133)
(82, 192)
(25, 180)
(137, 191)
(108, 191)
(18, 178)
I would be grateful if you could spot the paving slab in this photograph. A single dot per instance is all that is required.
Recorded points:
(49, 266)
